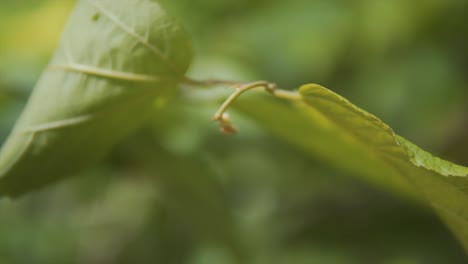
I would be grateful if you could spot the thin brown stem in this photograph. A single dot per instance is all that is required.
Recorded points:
(209, 82)
(221, 116)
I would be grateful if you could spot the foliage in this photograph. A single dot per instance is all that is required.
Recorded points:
(196, 196)
(93, 92)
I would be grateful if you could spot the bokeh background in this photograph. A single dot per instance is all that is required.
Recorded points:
(178, 191)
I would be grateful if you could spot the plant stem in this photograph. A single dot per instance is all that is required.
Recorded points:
(285, 94)
(240, 88)
(209, 82)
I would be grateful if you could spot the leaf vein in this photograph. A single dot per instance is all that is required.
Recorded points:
(57, 124)
(111, 74)
(154, 49)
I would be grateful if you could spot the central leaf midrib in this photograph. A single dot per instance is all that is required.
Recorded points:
(106, 73)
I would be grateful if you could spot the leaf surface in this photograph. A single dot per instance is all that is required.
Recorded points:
(327, 125)
(115, 58)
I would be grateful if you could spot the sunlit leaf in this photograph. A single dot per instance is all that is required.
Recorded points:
(115, 58)
(326, 124)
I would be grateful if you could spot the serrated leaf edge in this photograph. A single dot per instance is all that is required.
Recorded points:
(409, 149)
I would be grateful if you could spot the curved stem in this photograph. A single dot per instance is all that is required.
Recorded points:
(272, 89)
(240, 90)
(221, 116)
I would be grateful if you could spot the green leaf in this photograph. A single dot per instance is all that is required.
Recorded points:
(115, 58)
(330, 127)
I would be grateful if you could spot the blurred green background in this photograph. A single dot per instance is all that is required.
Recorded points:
(178, 191)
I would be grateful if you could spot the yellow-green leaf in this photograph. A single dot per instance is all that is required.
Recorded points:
(330, 127)
(115, 58)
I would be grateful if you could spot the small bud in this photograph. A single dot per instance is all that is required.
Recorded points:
(226, 125)
(228, 130)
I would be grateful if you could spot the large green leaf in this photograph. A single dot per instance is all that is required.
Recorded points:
(329, 126)
(115, 58)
